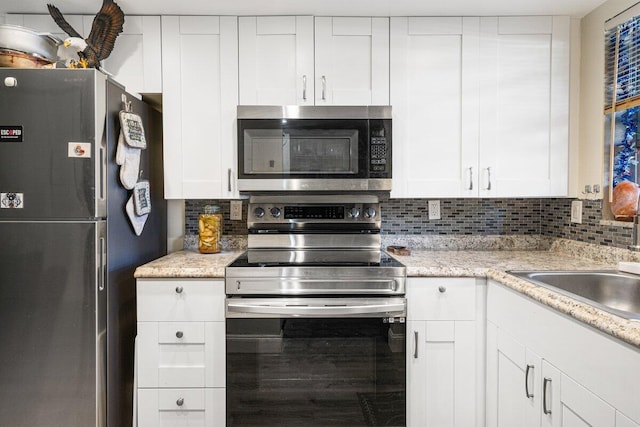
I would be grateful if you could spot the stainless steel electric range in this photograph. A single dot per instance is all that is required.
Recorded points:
(315, 317)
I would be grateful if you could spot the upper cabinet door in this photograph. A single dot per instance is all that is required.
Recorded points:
(136, 60)
(524, 99)
(352, 61)
(434, 93)
(276, 60)
(45, 23)
(200, 95)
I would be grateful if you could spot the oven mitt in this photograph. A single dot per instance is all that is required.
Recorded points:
(133, 130)
(137, 221)
(129, 171)
(120, 149)
(142, 198)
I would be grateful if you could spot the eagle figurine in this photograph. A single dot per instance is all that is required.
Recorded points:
(106, 26)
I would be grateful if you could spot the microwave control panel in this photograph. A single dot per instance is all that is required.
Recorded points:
(378, 151)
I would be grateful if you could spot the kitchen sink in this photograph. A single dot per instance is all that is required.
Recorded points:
(612, 291)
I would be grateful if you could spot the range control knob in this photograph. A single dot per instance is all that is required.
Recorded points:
(370, 212)
(258, 212)
(275, 212)
(354, 212)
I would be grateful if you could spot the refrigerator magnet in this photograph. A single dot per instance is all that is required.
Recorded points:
(81, 150)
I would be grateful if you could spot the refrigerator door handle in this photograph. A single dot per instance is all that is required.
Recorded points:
(103, 175)
(102, 263)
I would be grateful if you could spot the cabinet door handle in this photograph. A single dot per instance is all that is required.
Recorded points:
(470, 179)
(488, 179)
(179, 289)
(415, 348)
(545, 409)
(229, 180)
(180, 401)
(179, 334)
(442, 289)
(526, 382)
(324, 88)
(304, 87)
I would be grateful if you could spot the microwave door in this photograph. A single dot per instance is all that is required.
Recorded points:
(265, 152)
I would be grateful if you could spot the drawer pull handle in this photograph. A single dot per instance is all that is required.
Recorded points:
(179, 334)
(442, 289)
(545, 409)
(526, 382)
(180, 401)
(179, 289)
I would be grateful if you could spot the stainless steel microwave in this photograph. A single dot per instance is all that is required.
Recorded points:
(314, 148)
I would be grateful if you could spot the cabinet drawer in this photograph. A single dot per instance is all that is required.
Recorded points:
(441, 299)
(180, 300)
(181, 407)
(195, 360)
(181, 333)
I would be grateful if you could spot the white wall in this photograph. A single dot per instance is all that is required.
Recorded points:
(591, 129)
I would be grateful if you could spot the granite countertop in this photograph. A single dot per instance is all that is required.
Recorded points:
(493, 264)
(188, 264)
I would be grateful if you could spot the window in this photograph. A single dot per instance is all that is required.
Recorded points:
(622, 100)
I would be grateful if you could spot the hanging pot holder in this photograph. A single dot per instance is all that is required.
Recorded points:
(133, 130)
(137, 222)
(142, 198)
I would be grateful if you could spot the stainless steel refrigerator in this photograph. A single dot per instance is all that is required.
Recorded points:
(68, 251)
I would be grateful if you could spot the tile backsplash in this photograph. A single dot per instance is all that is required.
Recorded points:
(544, 217)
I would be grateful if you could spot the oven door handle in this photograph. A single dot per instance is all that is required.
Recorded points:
(297, 286)
(294, 307)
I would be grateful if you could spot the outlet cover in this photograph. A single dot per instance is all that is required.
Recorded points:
(236, 210)
(434, 209)
(576, 211)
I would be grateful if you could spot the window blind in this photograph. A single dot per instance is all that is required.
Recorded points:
(622, 66)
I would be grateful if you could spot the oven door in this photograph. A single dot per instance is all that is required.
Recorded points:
(315, 361)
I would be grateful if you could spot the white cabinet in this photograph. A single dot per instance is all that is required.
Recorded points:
(299, 60)
(135, 60)
(46, 24)
(544, 369)
(434, 93)
(352, 61)
(442, 353)
(200, 95)
(181, 407)
(180, 362)
(276, 60)
(524, 106)
(513, 383)
(526, 390)
(481, 106)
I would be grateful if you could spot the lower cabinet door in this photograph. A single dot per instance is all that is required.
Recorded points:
(578, 407)
(514, 389)
(198, 407)
(441, 374)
